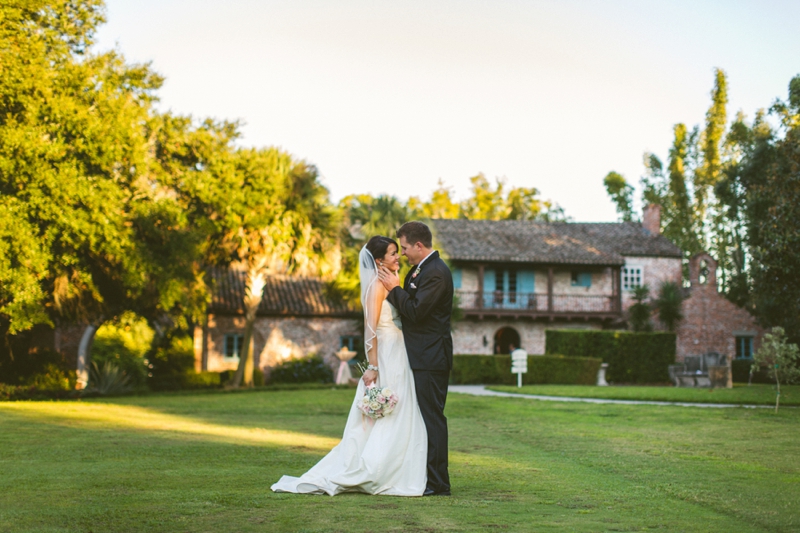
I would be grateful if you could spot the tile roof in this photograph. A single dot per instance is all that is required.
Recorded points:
(283, 296)
(549, 242)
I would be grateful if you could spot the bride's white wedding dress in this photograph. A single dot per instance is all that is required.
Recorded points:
(388, 456)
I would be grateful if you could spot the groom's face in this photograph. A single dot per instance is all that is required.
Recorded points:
(413, 252)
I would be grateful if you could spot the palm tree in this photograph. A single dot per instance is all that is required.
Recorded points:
(669, 304)
(286, 227)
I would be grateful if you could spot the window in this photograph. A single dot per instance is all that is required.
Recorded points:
(233, 346)
(744, 347)
(456, 278)
(581, 279)
(632, 277)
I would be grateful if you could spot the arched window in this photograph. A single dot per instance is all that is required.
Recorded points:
(703, 273)
(506, 340)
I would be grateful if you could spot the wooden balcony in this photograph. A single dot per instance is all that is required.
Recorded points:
(550, 306)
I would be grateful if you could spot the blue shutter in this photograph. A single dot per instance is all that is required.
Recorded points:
(456, 278)
(489, 285)
(525, 281)
(581, 279)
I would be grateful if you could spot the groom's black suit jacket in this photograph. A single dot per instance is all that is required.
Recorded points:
(425, 304)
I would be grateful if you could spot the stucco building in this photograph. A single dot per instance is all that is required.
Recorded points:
(296, 319)
(515, 279)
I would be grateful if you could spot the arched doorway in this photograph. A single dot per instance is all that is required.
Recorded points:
(505, 340)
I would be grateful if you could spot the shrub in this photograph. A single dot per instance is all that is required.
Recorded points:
(632, 357)
(28, 392)
(741, 372)
(202, 380)
(542, 369)
(124, 343)
(27, 366)
(639, 313)
(171, 365)
(107, 380)
(54, 378)
(309, 370)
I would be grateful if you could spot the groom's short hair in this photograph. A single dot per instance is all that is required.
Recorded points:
(415, 232)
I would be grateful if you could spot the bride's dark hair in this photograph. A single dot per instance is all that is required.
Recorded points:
(378, 245)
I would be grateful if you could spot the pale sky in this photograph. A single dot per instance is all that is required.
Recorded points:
(389, 97)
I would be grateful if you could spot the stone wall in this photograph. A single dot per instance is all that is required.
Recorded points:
(469, 335)
(275, 339)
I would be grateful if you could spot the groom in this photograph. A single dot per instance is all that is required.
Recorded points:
(425, 303)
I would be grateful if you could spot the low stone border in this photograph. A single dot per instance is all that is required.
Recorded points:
(481, 390)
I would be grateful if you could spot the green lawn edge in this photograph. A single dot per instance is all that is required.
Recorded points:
(741, 394)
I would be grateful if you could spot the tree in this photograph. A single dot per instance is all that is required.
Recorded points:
(668, 304)
(75, 178)
(283, 223)
(639, 313)
(780, 358)
(621, 193)
(361, 217)
(709, 172)
(771, 179)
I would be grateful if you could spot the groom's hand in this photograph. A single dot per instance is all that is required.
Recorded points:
(388, 278)
(370, 377)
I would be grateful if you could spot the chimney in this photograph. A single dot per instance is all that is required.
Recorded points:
(651, 221)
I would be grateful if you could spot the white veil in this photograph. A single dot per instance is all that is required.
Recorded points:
(368, 272)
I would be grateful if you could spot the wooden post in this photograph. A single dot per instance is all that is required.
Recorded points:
(480, 287)
(550, 289)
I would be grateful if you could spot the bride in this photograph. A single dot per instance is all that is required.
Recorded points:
(388, 455)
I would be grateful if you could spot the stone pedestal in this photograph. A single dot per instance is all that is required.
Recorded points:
(601, 375)
(720, 376)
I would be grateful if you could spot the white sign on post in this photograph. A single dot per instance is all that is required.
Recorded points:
(519, 364)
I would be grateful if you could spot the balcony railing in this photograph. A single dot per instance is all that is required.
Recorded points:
(536, 303)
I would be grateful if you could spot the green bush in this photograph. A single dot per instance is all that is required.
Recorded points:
(741, 372)
(550, 369)
(28, 366)
(631, 357)
(309, 370)
(202, 380)
(53, 378)
(171, 364)
(124, 342)
(108, 380)
(29, 392)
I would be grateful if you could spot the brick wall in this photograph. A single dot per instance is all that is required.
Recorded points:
(711, 322)
(655, 271)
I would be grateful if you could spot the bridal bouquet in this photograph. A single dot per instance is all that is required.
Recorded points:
(378, 401)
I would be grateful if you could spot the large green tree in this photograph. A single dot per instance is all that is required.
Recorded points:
(75, 176)
(770, 177)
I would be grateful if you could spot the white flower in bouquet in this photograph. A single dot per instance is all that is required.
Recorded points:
(378, 402)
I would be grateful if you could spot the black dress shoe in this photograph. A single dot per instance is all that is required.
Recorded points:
(431, 492)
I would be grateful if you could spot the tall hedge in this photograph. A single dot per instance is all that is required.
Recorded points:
(552, 369)
(631, 357)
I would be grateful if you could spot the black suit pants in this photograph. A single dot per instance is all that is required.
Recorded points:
(431, 387)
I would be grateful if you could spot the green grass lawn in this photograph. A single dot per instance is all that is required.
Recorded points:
(204, 463)
(756, 394)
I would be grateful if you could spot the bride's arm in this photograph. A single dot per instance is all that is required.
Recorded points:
(372, 316)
